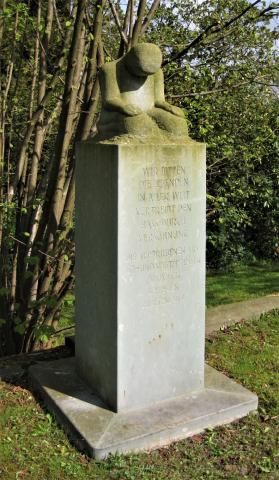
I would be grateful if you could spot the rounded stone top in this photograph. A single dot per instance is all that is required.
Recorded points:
(143, 59)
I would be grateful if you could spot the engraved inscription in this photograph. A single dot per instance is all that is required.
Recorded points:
(163, 212)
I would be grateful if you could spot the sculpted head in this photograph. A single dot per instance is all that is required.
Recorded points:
(143, 59)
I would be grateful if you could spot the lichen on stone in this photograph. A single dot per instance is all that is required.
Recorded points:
(134, 109)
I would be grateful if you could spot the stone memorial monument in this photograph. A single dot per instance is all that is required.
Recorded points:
(138, 379)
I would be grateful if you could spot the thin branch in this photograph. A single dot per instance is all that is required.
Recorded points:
(125, 30)
(237, 17)
(118, 23)
(36, 60)
(36, 115)
(62, 330)
(39, 130)
(25, 244)
(149, 16)
(213, 28)
(192, 44)
(217, 90)
(234, 29)
(57, 19)
(266, 84)
(138, 24)
(265, 10)
(92, 90)
(131, 22)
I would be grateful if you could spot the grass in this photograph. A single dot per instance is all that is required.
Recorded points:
(245, 282)
(32, 446)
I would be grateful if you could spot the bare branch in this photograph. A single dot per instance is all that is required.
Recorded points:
(57, 332)
(266, 10)
(217, 90)
(52, 207)
(36, 60)
(131, 22)
(39, 130)
(138, 23)
(36, 115)
(213, 28)
(125, 29)
(117, 21)
(92, 89)
(57, 19)
(25, 244)
(149, 16)
(192, 44)
(237, 17)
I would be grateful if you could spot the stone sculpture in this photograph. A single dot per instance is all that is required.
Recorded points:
(133, 100)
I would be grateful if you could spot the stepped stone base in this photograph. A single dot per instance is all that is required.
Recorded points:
(99, 431)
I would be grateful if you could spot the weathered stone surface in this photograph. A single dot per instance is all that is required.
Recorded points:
(95, 428)
(225, 315)
(140, 271)
(133, 99)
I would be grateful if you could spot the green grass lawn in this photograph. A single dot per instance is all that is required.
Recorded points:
(245, 282)
(33, 447)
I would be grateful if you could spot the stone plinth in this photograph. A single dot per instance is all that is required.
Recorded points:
(140, 271)
(99, 431)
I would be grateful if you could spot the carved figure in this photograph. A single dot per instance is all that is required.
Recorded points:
(133, 100)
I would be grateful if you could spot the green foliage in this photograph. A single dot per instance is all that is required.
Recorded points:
(43, 333)
(223, 85)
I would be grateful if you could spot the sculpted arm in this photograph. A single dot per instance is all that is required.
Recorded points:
(160, 101)
(111, 97)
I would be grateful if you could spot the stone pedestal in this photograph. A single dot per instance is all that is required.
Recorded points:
(99, 431)
(138, 379)
(140, 271)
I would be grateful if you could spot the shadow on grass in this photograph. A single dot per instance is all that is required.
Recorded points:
(243, 283)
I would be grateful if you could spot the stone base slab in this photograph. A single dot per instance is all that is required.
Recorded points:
(99, 431)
